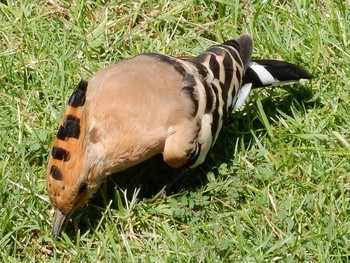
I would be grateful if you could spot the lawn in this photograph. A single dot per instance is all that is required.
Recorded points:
(276, 186)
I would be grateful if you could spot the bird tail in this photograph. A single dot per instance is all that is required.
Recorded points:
(263, 73)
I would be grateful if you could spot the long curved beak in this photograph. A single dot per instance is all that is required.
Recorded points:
(59, 222)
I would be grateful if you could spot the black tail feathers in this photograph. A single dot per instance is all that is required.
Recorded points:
(262, 73)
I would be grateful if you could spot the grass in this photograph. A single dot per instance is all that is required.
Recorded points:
(274, 188)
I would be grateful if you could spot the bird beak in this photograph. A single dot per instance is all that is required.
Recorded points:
(59, 222)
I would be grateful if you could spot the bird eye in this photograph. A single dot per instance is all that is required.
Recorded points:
(82, 188)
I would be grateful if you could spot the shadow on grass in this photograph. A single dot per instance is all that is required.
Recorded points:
(153, 175)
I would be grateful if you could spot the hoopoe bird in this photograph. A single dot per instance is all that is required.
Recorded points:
(147, 105)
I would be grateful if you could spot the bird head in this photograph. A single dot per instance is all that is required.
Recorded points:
(69, 192)
(73, 176)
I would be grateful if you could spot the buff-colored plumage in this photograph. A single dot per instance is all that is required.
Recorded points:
(143, 106)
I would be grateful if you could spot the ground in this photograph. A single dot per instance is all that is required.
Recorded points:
(274, 188)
